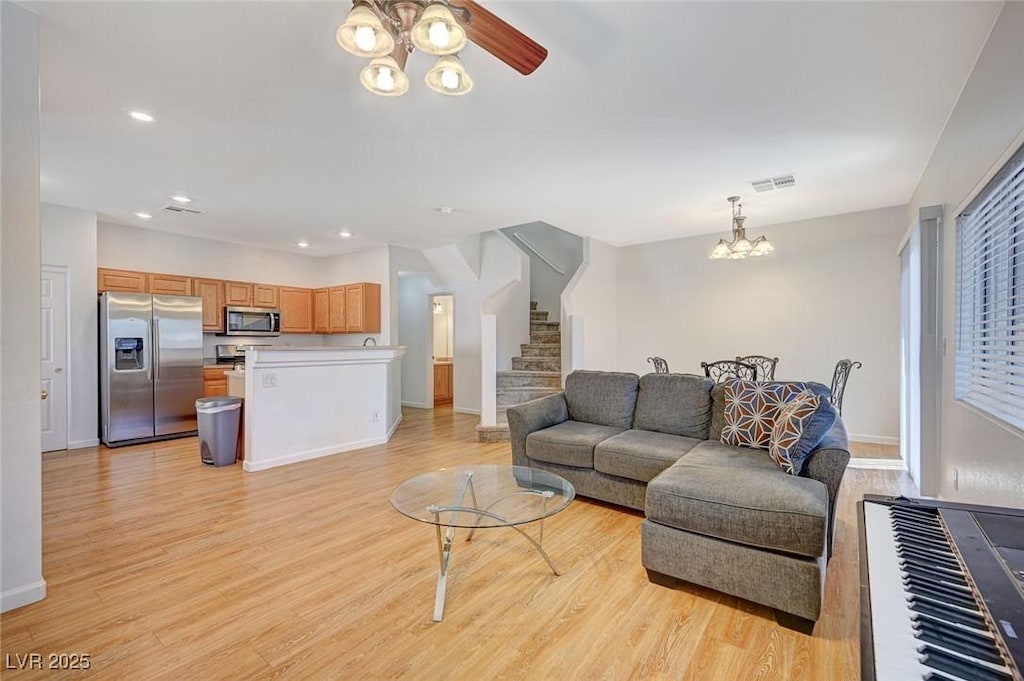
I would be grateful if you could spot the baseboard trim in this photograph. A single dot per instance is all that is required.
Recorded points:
(463, 410)
(22, 595)
(417, 405)
(252, 467)
(82, 444)
(875, 439)
(394, 426)
(878, 464)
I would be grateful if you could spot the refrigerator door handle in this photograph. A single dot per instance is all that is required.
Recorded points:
(156, 348)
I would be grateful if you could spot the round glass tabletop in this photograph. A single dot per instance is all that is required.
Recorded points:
(483, 496)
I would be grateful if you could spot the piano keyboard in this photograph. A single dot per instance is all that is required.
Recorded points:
(929, 616)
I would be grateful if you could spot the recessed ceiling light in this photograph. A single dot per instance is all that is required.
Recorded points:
(141, 116)
(144, 216)
(344, 234)
(303, 244)
(180, 198)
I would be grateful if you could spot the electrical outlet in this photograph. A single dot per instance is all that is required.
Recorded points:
(376, 416)
(956, 479)
(269, 380)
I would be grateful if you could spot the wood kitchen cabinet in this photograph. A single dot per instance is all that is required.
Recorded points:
(169, 284)
(212, 293)
(336, 307)
(443, 383)
(215, 383)
(121, 280)
(265, 295)
(362, 308)
(238, 294)
(321, 310)
(296, 310)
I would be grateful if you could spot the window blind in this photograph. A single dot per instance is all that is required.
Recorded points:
(990, 297)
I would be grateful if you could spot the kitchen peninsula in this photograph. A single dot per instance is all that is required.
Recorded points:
(306, 402)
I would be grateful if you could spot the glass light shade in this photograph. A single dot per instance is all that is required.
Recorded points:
(742, 246)
(436, 32)
(762, 247)
(364, 35)
(448, 76)
(737, 255)
(383, 76)
(721, 250)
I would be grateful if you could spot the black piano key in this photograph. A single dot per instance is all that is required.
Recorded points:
(926, 560)
(925, 617)
(951, 664)
(980, 652)
(936, 676)
(930, 527)
(946, 613)
(922, 542)
(937, 581)
(942, 596)
(953, 633)
(944, 575)
(908, 510)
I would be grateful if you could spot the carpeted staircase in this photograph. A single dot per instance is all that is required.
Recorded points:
(535, 373)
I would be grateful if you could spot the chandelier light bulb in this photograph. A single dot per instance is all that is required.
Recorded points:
(449, 79)
(385, 79)
(439, 35)
(365, 39)
(721, 250)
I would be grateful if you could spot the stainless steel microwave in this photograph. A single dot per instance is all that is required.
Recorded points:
(251, 321)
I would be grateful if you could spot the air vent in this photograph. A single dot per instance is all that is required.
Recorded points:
(183, 209)
(770, 183)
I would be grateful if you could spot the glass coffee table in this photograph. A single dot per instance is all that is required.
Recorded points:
(481, 496)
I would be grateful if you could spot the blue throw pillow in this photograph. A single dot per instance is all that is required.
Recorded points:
(800, 425)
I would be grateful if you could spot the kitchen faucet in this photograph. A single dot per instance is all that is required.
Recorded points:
(368, 339)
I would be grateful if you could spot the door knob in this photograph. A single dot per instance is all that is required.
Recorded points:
(43, 394)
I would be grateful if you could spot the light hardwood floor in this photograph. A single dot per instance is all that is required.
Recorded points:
(161, 568)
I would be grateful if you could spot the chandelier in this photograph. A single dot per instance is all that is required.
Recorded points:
(740, 247)
(387, 31)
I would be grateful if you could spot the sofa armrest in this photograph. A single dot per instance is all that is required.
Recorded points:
(531, 416)
(827, 464)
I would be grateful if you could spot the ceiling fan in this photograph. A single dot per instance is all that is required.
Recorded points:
(387, 31)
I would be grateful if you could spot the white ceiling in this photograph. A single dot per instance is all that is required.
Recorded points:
(644, 117)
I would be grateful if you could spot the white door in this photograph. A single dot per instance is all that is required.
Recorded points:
(53, 357)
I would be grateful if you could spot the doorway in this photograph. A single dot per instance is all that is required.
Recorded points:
(442, 336)
(53, 358)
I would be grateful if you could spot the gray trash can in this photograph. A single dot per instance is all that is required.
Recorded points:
(218, 429)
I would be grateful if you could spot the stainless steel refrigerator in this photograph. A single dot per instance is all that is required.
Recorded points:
(151, 366)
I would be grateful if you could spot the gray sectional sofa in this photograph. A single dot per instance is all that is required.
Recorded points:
(724, 517)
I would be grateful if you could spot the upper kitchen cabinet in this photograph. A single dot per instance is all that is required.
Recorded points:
(121, 280)
(362, 308)
(170, 284)
(265, 295)
(212, 293)
(296, 310)
(237, 294)
(336, 309)
(322, 310)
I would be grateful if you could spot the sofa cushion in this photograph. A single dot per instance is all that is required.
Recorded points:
(605, 398)
(570, 443)
(718, 405)
(740, 495)
(799, 426)
(751, 408)
(679, 404)
(640, 454)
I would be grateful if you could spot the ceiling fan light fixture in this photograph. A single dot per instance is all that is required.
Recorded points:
(364, 35)
(383, 76)
(448, 77)
(437, 32)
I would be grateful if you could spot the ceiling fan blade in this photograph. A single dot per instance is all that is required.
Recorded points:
(500, 39)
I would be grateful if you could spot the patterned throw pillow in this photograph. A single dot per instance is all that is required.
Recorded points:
(751, 409)
(799, 427)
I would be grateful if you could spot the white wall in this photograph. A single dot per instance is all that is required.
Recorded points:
(442, 321)
(563, 249)
(413, 323)
(590, 311)
(69, 240)
(984, 125)
(21, 556)
(829, 291)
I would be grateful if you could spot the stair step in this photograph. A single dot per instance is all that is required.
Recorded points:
(545, 337)
(540, 350)
(498, 433)
(508, 397)
(545, 364)
(538, 315)
(519, 378)
(545, 326)
(533, 304)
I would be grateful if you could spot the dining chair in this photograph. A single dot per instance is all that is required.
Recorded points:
(839, 378)
(765, 365)
(660, 365)
(725, 369)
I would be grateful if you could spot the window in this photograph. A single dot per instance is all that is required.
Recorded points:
(990, 297)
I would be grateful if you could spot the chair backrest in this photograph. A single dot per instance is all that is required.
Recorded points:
(724, 369)
(765, 365)
(660, 365)
(839, 378)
